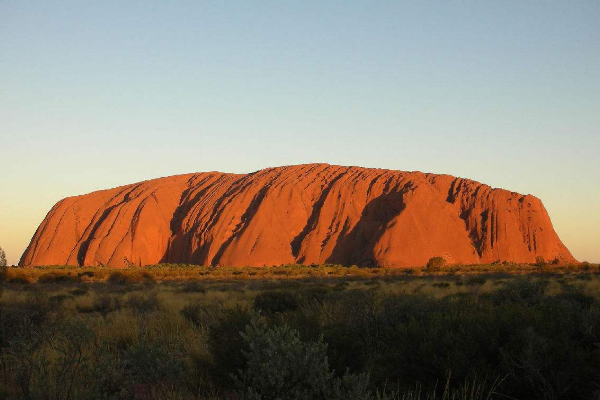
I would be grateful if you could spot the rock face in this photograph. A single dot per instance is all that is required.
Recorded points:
(308, 214)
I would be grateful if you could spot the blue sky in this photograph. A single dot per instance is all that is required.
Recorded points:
(96, 95)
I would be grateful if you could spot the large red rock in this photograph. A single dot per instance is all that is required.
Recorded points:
(308, 214)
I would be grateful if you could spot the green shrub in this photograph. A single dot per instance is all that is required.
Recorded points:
(18, 280)
(102, 304)
(143, 303)
(435, 264)
(315, 294)
(193, 287)
(275, 301)
(2, 258)
(143, 370)
(57, 278)
(584, 276)
(476, 280)
(281, 366)
(152, 369)
(192, 312)
(118, 278)
(540, 262)
(63, 363)
(59, 298)
(225, 343)
(79, 291)
(521, 289)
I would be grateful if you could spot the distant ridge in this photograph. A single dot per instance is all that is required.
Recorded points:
(308, 214)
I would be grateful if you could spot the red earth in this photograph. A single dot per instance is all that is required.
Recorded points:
(306, 214)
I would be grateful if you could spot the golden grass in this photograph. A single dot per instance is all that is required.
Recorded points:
(182, 272)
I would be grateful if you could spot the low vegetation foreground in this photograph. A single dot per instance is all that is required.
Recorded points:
(292, 332)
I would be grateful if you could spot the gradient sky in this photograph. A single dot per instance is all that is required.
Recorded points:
(99, 94)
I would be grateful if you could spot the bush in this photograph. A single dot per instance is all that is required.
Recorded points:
(79, 291)
(59, 298)
(19, 280)
(143, 370)
(141, 276)
(149, 368)
(191, 312)
(476, 280)
(102, 304)
(281, 366)
(202, 315)
(275, 301)
(435, 264)
(2, 258)
(143, 303)
(118, 278)
(225, 343)
(315, 294)
(540, 262)
(52, 277)
(59, 371)
(3, 273)
(521, 289)
(193, 287)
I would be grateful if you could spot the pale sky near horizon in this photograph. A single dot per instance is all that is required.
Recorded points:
(100, 94)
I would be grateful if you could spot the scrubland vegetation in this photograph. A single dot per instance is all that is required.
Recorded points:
(184, 272)
(327, 332)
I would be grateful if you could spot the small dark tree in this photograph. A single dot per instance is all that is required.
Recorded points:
(540, 262)
(2, 257)
(435, 264)
(2, 266)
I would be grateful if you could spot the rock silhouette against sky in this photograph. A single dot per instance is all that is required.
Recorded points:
(308, 214)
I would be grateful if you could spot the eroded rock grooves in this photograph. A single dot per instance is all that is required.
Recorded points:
(309, 214)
